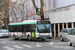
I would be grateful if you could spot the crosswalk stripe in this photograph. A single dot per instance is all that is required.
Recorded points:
(7, 41)
(12, 42)
(38, 45)
(27, 46)
(19, 47)
(2, 42)
(8, 48)
(45, 44)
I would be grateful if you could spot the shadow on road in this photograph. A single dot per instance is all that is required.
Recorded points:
(38, 40)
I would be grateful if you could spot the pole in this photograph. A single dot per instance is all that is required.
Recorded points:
(42, 13)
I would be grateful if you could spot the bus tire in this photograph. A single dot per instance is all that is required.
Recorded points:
(29, 38)
(43, 39)
(61, 39)
(69, 42)
(15, 37)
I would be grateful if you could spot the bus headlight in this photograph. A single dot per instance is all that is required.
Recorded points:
(37, 34)
(51, 34)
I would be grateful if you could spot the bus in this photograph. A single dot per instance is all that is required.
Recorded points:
(3, 31)
(30, 29)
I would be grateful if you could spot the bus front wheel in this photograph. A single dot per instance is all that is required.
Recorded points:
(43, 39)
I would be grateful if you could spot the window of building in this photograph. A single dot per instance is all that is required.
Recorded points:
(44, 3)
(54, 3)
(64, 25)
(74, 25)
(49, 2)
(69, 25)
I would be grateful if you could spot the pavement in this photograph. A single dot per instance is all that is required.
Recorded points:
(48, 44)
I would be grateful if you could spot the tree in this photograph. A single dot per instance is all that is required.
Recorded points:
(4, 11)
(14, 11)
(18, 9)
(21, 9)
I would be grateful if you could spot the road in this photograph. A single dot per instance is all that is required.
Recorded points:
(49, 44)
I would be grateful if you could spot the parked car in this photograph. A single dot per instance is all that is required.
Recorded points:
(71, 37)
(3, 33)
(64, 34)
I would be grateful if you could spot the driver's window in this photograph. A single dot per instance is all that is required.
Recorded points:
(32, 27)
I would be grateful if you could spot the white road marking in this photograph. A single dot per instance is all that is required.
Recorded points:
(12, 42)
(19, 47)
(38, 45)
(45, 44)
(64, 47)
(8, 41)
(27, 46)
(2, 42)
(8, 48)
(60, 42)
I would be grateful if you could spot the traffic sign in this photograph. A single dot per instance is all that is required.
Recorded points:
(31, 13)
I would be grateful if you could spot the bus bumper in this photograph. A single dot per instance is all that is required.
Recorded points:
(44, 37)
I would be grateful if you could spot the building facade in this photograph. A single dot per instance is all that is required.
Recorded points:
(59, 12)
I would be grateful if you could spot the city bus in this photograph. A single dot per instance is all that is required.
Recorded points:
(30, 29)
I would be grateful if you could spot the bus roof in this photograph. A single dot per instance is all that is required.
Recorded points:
(26, 22)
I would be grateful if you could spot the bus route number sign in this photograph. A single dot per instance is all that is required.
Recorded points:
(43, 22)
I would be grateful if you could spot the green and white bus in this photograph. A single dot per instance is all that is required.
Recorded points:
(30, 29)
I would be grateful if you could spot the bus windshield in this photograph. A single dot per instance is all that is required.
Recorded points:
(43, 28)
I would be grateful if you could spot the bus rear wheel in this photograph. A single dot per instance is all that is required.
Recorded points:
(15, 37)
(29, 38)
(43, 39)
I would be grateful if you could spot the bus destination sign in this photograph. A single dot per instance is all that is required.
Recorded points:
(43, 22)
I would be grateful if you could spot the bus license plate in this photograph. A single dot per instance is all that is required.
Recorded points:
(44, 37)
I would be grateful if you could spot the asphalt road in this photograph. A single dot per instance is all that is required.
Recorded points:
(49, 44)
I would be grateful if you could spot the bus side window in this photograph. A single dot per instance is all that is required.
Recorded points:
(14, 27)
(32, 27)
(10, 28)
(19, 28)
